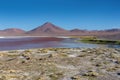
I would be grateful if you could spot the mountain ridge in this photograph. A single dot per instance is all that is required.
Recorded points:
(49, 29)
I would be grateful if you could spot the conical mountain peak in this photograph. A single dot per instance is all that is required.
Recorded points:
(48, 24)
(48, 28)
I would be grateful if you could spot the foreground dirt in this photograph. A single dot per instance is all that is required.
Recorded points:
(60, 64)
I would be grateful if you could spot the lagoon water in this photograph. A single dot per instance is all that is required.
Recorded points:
(17, 43)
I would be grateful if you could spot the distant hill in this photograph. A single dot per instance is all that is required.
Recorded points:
(14, 30)
(113, 34)
(112, 30)
(77, 30)
(11, 31)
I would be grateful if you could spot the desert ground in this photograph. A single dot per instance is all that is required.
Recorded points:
(60, 64)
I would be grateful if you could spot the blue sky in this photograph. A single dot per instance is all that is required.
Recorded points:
(68, 14)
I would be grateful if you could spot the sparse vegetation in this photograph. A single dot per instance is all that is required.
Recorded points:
(56, 64)
(94, 40)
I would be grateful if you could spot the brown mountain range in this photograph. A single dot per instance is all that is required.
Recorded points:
(49, 29)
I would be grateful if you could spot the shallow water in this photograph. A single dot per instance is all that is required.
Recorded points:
(45, 42)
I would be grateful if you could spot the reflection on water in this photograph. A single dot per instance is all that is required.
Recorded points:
(45, 42)
(113, 46)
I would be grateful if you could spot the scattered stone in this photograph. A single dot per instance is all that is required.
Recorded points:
(91, 73)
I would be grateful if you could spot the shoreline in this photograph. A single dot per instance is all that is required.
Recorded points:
(60, 64)
(32, 36)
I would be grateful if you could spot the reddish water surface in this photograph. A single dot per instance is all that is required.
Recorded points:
(45, 42)
(29, 42)
(22, 41)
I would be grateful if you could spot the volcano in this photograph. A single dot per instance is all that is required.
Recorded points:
(48, 28)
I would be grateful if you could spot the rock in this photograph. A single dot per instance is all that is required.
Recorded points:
(91, 73)
(76, 77)
(118, 74)
(43, 50)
